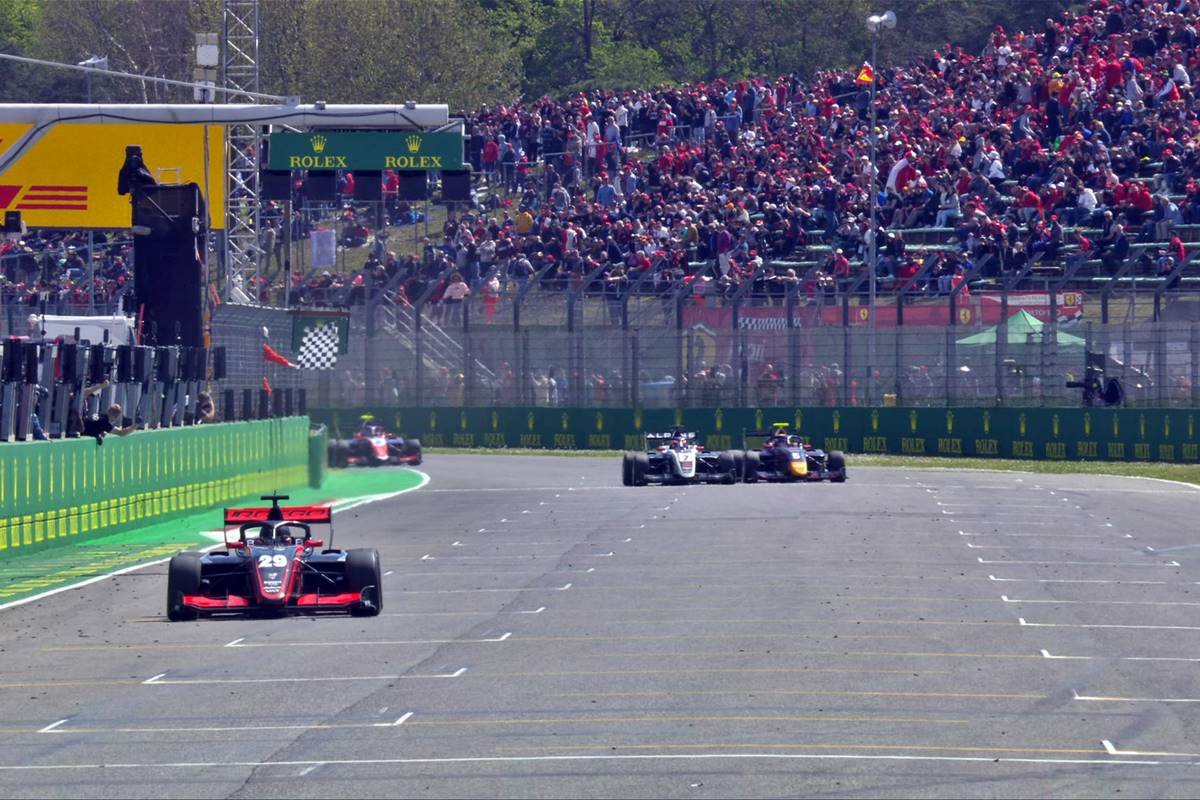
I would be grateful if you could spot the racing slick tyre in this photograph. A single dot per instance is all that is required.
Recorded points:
(183, 578)
(364, 575)
(739, 464)
(339, 455)
(413, 447)
(750, 467)
(627, 469)
(641, 465)
(836, 464)
(727, 465)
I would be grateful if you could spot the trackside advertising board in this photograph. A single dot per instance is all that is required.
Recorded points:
(1091, 434)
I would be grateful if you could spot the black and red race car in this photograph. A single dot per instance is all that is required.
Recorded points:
(275, 567)
(373, 446)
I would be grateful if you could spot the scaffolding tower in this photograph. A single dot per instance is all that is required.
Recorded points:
(239, 60)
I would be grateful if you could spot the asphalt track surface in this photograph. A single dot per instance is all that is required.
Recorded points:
(550, 633)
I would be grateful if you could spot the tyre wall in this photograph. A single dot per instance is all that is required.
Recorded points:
(1100, 434)
(65, 491)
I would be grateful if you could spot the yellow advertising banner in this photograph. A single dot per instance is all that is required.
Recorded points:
(67, 177)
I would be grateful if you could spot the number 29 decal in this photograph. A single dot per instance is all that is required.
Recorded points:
(266, 561)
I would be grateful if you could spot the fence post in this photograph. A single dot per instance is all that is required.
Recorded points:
(635, 369)
(682, 382)
(526, 392)
(1160, 360)
(1195, 353)
(792, 367)
(949, 360)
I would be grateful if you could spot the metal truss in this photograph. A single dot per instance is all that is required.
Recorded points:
(239, 60)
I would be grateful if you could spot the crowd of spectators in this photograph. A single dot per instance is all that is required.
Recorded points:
(48, 270)
(1078, 140)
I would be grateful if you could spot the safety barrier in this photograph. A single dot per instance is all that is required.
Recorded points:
(318, 445)
(1169, 435)
(59, 492)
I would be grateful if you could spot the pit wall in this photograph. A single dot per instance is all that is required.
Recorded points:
(1097, 434)
(60, 492)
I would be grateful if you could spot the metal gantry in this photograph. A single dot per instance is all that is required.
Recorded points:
(239, 60)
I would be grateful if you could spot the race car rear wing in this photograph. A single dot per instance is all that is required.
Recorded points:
(312, 514)
(775, 430)
(689, 435)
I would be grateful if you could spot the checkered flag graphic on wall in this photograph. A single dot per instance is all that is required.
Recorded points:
(319, 347)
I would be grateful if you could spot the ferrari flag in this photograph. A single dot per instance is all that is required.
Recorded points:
(866, 74)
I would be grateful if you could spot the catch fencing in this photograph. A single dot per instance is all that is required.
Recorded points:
(577, 340)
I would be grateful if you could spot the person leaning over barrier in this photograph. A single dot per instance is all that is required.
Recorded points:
(99, 426)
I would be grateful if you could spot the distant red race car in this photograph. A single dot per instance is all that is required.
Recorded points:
(373, 446)
(274, 567)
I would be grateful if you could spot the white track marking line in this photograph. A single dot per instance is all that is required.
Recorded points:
(360, 643)
(404, 718)
(562, 588)
(1021, 621)
(1079, 563)
(1168, 659)
(1038, 535)
(157, 680)
(1090, 580)
(1008, 599)
(1112, 750)
(431, 572)
(479, 613)
(235, 642)
(1071, 547)
(52, 726)
(105, 576)
(309, 769)
(988, 761)
(1104, 699)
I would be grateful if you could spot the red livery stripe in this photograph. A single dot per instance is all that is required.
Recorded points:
(58, 189)
(39, 196)
(61, 206)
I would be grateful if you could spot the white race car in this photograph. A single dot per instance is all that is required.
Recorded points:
(675, 458)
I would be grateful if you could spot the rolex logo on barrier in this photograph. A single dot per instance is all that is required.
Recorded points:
(318, 143)
(413, 143)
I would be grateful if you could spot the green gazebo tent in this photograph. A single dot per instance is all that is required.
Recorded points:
(1023, 328)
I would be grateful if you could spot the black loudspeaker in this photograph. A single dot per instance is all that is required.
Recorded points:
(321, 187)
(143, 364)
(287, 402)
(277, 403)
(414, 185)
(166, 363)
(95, 372)
(124, 363)
(200, 365)
(301, 401)
(368, 186)
(185, 363)
(275, 185)
(68, 363)
(12, 222)
(218, 358)
(169, 263)
(31, 362)
(13, 365)
(456, 186)
(264, 404)
(226, 411)
(247, 404)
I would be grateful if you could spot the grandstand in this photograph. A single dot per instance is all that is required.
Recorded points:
(1054, 173)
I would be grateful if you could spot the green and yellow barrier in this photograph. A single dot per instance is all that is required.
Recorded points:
(65, 491)
(1101, 434)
